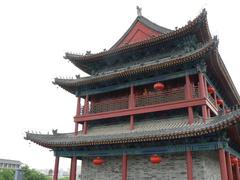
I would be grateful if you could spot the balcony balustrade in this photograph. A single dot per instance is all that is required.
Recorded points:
(150, 98)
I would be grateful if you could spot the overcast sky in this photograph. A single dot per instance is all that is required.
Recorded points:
(34, 35)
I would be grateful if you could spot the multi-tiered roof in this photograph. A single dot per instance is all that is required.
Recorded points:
(143, 51)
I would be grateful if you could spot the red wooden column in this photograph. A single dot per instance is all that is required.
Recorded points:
(86, 106)
(131, 106)
(236, 169)
(222, 162)
(229, 166)
(202, 94)
(56, 167)
(124, 167)
(78, 112)
(189, 165)
(73, 168)
(188, 95)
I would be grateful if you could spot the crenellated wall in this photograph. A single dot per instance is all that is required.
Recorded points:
(205, 167)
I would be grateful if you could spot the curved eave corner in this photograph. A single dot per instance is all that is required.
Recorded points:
(62, 83)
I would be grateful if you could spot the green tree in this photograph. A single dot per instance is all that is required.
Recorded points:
(6, 174)
(32, 174)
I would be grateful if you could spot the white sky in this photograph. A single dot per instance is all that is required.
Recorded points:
(34, 35)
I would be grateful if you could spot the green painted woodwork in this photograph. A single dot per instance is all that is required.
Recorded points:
(144, 150)
(173, 47)
(143, 81)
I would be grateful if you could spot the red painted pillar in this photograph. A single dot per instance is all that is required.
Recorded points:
(86, 108)
(201, 85)
(85, 127)
(202, 95)
(237, 171)
(76, 128)
(73, 168)
(188, 95)
(56, 166)
(208, 112)
(222, 162)
(189, 165)
(124, 167)
(229, 166)
(86, 105)
(131, 106)
(131, 122)
(78, 112)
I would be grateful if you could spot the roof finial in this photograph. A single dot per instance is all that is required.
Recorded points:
(139, 11)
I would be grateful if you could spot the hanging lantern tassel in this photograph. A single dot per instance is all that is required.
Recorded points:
(159, 86)
(98, 161)
(155, 159)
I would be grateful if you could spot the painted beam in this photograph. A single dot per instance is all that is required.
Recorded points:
(142, 109)
(143, 150)
(99, 90)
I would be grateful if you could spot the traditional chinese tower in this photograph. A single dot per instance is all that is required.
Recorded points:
(158, 105)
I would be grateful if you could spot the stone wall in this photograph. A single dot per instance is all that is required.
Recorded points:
(206, 166)
(110, 170)
(172, 167)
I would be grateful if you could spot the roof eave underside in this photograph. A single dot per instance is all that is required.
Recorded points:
(69, 83)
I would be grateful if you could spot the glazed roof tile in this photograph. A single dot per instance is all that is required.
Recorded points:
(156, 130)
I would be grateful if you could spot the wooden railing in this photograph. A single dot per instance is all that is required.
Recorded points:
(110, 105)
(160, 97)
(151, 98)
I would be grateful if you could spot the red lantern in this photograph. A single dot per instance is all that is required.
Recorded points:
(155, 159)
(98, 161)
(211, 89)
(219, 101)
(234, 160)
(159, 86)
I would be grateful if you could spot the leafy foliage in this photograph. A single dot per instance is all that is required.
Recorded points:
(32, 174)
(6, 174)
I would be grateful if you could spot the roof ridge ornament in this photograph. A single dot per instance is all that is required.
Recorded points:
(139, 11)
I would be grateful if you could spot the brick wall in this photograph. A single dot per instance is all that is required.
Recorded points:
(172, 167)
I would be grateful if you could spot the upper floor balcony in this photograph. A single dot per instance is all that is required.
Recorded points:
(145, 99)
